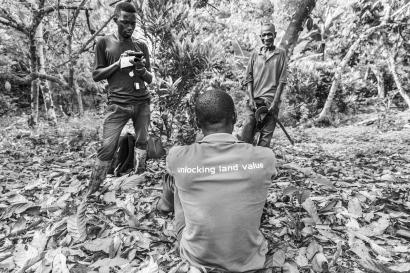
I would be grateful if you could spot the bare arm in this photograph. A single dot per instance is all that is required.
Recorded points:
(145, 73)
(249, 83)
(276, 100)
(102, 73)
(102, 69)
(282, 82)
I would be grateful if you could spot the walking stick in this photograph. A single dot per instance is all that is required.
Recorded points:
(286, 133)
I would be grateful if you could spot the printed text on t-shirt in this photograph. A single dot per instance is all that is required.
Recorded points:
(220, 168)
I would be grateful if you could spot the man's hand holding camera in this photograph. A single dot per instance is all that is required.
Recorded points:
(132, 58)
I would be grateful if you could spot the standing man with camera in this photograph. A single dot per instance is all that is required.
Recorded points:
(265, 80)
(124, 63)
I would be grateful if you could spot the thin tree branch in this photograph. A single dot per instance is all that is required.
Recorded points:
(76, 13)
(32, 76)
(6, 16)
(36, 75)
(85, 45)
(87, 16)
(59, 7)
(18, 27)
(400, 10)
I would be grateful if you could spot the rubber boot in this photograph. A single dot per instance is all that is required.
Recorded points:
(140, 158)
(166, 203)
(98, 175)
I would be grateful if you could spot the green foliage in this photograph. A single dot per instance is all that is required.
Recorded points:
(307, 92)
(179, 59)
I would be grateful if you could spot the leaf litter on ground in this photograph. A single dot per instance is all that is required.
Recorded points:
(340, 203)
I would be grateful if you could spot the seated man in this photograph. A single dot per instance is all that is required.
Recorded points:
(219, 192)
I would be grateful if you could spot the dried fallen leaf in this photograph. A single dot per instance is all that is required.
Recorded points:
(76, 224)
(301, 259)
(312, 249)
(149, 267)
(24, 254)
(388, 177)
(290, 190)
(132, 181)
(378, 249)
(355, 208)
(376, 228)
(16, 208)
(278, 258)
(46, 265)
(60, 263)
(401, 267)
(322, 180)
(39, 240)
(320, 263)
(403, 233)
(109, 197)
(359, 248)
(107, 262)
(99, 244)
(115, 246)
(310, 207)
(19, 226)
(290, 267)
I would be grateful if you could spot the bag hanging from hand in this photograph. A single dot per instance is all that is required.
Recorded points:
(123, 160)
(154, 147)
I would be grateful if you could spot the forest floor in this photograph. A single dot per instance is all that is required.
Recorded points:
(340, 203)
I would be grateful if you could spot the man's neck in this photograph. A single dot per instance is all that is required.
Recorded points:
(270, 48)
(217, 130)
(207, 133)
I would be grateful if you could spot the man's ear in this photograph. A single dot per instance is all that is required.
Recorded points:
(234, 118)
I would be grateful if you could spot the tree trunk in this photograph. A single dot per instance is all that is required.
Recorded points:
(378, 72)
(79, 99)
(403, 93)
(325, 113)
(71, 80)
(33, 119)
(295, 26)
(44, 85)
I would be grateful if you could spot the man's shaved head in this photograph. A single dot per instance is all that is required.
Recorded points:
(268, 27)
(214, 107)
(268, 35)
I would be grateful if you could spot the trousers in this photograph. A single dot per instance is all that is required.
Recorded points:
(115, 119)
(248, 131)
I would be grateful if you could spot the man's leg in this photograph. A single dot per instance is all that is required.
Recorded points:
(141, 120)
(249, 126)
(114, 121)
(267, 130)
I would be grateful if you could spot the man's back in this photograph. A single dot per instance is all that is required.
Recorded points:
(222, 186)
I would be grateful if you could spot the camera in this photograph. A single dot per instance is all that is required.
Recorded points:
(133, 56)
